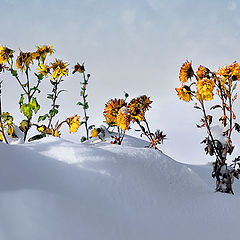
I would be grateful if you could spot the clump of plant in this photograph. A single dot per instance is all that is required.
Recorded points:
(120, 114)
(84, 103)
(200, 87)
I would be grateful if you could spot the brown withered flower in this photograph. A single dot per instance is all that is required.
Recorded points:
(203, 72)
(79, 68)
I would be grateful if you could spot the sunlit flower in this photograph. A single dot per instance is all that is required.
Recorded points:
(44, 69)
(138, 106)
(5, 54)
(59, 69)
(184, 93)
(24, 60)
(111, 110)
(202, 72)
(205, 89)
(94, 133)
(235, 71)
(186, 72)
(42, 51)
(10, 129)
(73, 123)
(78, 68)
(123, 118)
(24, 125)
(224, 71)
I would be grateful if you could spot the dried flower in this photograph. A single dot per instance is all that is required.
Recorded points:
(44, 69)
(73, 123)
(24, 60)
(186, 72)
(184, 93)
(123, 119)
(5, 54)
(205, 89)
(111, 110)
(78, 68)
(202, 72)
(42, 51)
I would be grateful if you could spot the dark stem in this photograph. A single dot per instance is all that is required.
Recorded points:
(2, 127)
(54, 101)
(84, 103)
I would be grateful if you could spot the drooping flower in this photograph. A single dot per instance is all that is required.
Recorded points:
(186, 72)
(111, 110)
(73, 123)
(44, 69)
(59, 69)
(184, 93)
(94, 133)
(138, 106)
(123, 118)
(202, 72)
(205, 89)
(235, 71)
(24, 60)
(42, 51)
(5, 54)
(78, 68)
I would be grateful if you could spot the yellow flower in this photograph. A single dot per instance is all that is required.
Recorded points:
(78, 68)
(111, 110)
(123, 119)
(184, 93)
(138, 106)
(1, 138)
(44, 69)
(94, 133)
(235, 71)
(42, 51)
(205, 89)
(202, 72)
(59, 69)
(186, 72)
(73, 123)
(10, 129)
(24, 60)
(24, 125)
(5, 54)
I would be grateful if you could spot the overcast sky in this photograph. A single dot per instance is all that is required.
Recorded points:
(137, 46)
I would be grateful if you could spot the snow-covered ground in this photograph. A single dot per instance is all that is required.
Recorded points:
(54, 189)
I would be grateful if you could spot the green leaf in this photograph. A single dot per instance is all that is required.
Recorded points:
(85, 106)
(37, 137)
(50, 96)
(21, 100)
(14, 73)
(83, 139)
(42, 118)
(26, 110)
(79, 103)
(91, 127)
(34, 105)
(53, 112)
(39, 76)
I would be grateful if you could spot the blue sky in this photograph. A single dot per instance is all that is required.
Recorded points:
(135, 46)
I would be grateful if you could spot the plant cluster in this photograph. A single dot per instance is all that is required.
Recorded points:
(220, 89)
(118, 113)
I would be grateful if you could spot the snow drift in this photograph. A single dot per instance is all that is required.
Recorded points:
(55, 189)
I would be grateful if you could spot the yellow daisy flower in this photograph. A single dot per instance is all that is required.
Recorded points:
(205, 89)
(59, 69)
(73, 123)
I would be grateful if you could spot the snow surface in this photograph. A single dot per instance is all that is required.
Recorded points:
(56, 189)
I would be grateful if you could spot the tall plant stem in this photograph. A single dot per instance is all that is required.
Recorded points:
(84, 104)
(54, 101)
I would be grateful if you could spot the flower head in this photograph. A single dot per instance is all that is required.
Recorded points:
(205, 89)
(59, 69)
(186, 72)
(184, 93)
(5, 54)
(79, 68)
(2, 67)
(24, 60)
(42, 51)
(95, 132)
(202, 72)
(123, 118)
(138, 106)
(44, 69)
(235, 71)
(73, 123)
(111, 110)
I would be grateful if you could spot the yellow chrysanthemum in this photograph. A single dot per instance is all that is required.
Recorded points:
(202, 72)
(94, 133)
(138, 106)
(44, 69)
(73, 123)
(186, 72)
(5, 54)
(123, 119)
(111, 110)
(42, 51)
(235, 71)
(24, 60)
(59, 69)
(184, 93)
(205, 89)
